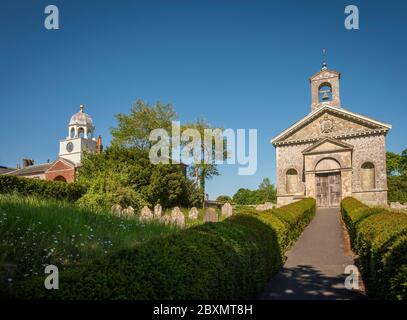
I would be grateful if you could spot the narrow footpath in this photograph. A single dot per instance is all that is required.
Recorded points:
(315, 265)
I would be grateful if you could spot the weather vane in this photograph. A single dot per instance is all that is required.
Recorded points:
(324, 65)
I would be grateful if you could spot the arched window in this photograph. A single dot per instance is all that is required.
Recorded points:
(291, 181)
(72, 134)
(368, 176)
(81, 133)
(60, 178)
(325, 92)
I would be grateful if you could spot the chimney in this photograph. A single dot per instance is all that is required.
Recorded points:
(27, 162)
(99, 146)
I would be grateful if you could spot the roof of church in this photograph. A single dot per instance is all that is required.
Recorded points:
(34, 169)
(317, 111)
(81, 118)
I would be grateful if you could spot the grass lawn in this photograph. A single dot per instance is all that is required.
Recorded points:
(35, 233)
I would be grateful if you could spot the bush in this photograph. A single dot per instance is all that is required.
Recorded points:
(40, 188)
(232, 259)
(379, 237)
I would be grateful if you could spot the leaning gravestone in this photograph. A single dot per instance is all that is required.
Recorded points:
(177, 217)
(146, 214)
(116, 210)
(193, 213)
(157, 211)
(227, 210)
(211, 215)
(128, 212)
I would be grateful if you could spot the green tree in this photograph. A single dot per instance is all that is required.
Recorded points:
(394, 162)
(133, 129)
(397, 176)
(223, 199)
(267, 191)
(203, 171)
(125, 176)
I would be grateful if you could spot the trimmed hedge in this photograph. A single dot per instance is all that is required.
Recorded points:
(41, 188)
(379, 236)
(232, 259)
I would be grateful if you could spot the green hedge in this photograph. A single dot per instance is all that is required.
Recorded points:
(379, 236)
(41, 188)
(232, 259)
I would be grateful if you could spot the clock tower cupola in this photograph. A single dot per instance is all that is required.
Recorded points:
(80, 139)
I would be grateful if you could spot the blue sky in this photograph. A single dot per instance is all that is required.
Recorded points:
(238, 64)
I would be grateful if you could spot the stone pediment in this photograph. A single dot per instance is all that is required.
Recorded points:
(61, 164)
(325, 74)
(332, 122)
(327, 145)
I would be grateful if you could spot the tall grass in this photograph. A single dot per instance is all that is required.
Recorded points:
(35, 233)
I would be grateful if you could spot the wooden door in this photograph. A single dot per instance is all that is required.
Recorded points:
(328, 189)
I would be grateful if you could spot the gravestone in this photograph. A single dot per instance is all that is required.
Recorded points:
(128, 212)
(146, 214)
(116, 210)
(157, 211)
(177, 217)
(165, 219)
(260, 207)
(268, 205)
(211, 215)
(193, 213)
(227, 210)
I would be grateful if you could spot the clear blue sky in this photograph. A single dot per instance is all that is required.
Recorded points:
(239, 64)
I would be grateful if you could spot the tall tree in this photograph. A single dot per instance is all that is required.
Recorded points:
(203, 170)
(268, 191)
(133, 129)
(394, 162)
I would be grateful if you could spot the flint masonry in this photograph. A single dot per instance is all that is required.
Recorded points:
(332, 152)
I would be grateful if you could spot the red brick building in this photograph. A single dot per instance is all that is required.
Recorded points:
(80, 139)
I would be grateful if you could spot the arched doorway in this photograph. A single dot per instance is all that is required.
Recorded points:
(328, 182)
(60, 178)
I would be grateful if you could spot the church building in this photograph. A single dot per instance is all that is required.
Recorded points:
(80, 139)
(332, 152)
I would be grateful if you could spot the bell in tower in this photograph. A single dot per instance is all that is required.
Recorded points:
(325, 88)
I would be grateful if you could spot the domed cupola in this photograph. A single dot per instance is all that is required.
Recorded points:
(81, 125)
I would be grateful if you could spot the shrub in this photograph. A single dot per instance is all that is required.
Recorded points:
(232, 259)
(41, 188)
(379, 237)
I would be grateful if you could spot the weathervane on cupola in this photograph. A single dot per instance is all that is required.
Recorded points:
(324, 64)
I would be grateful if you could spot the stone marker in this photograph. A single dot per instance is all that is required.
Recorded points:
(146, 214)
(268, 205)
(157, 211)
(128, 212)
(211, 215)
(260, 207)
(265, 206)
(165, 219)
(193, 213)
(177, 217)
(398, 206)
(227, 210)
(116, 210)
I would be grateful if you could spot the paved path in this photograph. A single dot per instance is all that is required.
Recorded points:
(315, 264)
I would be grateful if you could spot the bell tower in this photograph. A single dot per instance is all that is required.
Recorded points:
(80, 138)
(325, 88)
